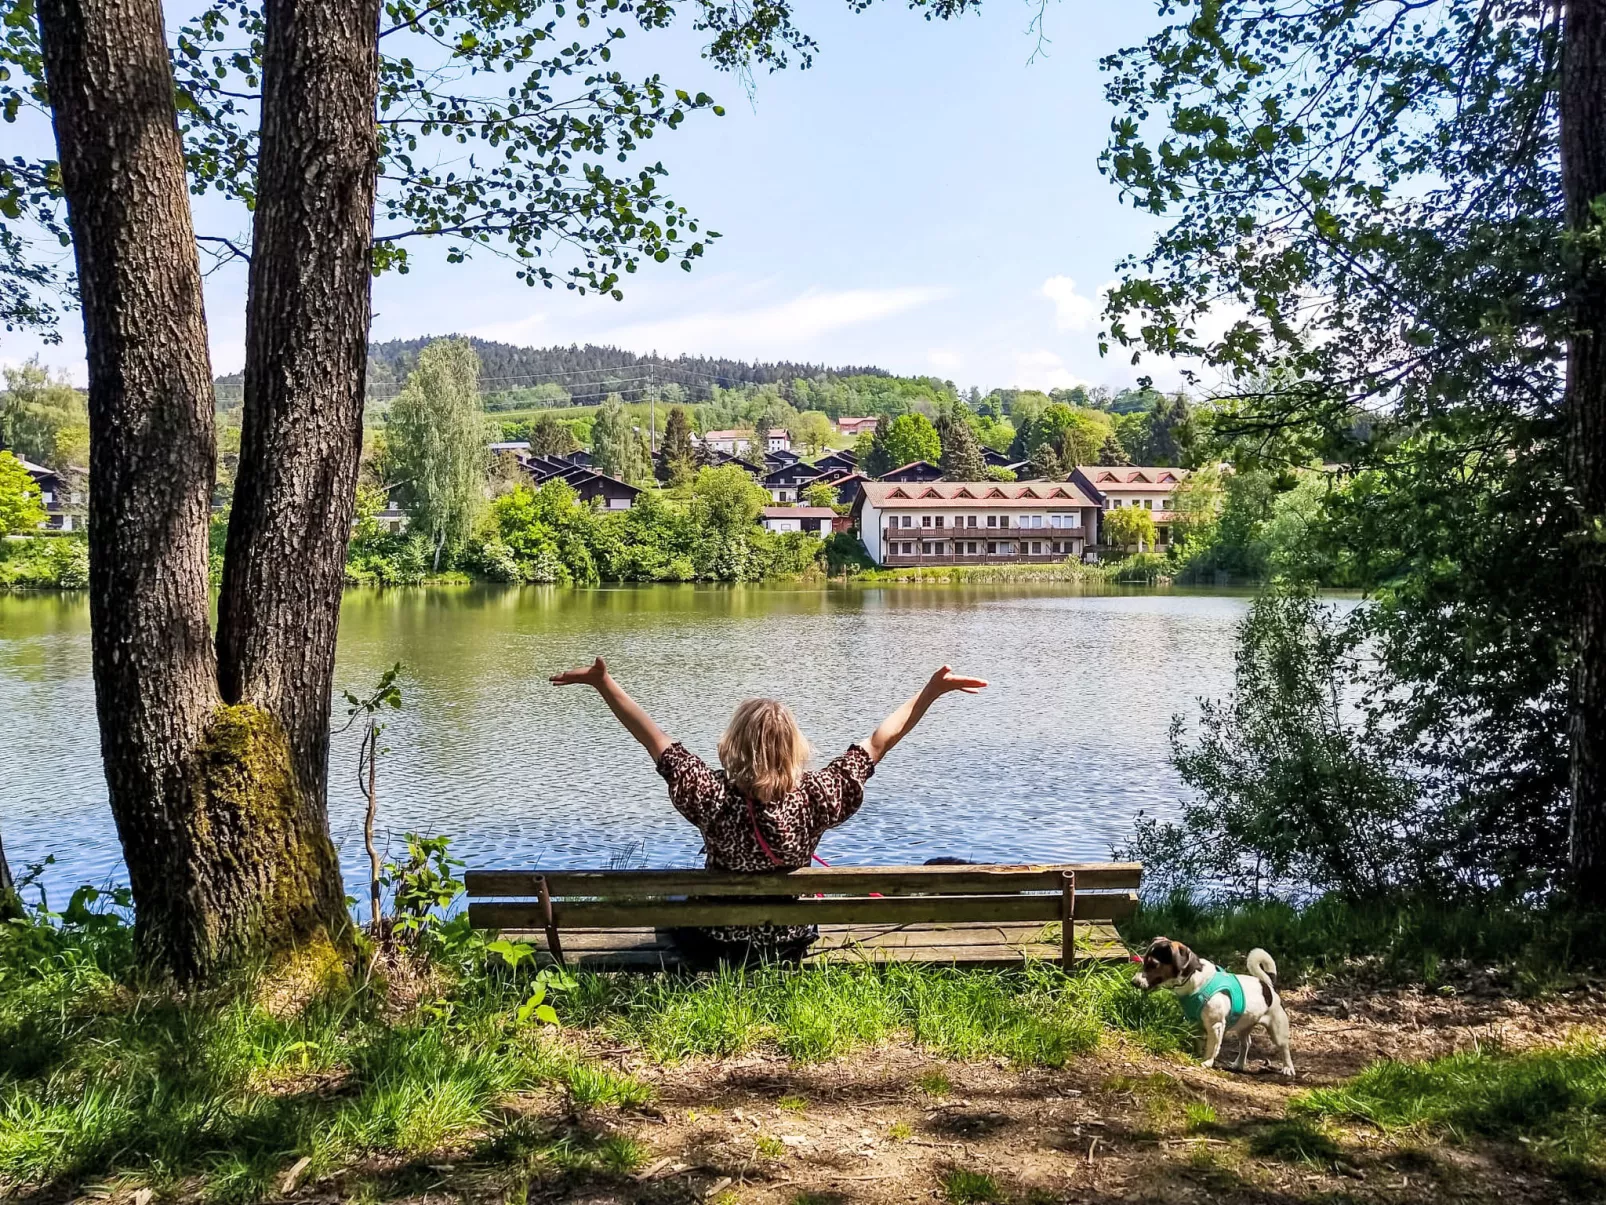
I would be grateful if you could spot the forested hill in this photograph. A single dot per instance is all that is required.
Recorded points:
(585, 374)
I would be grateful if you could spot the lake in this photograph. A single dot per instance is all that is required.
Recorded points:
(1052, 763)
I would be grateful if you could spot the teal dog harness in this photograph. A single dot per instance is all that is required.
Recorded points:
(1193, 1003)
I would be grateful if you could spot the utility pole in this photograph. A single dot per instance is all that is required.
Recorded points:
(652, 402)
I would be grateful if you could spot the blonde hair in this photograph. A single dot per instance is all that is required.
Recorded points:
(763, 751)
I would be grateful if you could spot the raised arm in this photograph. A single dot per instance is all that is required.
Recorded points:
(628, 712)
(901, 722)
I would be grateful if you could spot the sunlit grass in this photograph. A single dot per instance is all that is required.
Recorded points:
(1553, 1101)
(1033, 1016)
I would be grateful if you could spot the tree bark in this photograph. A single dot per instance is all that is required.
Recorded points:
(150, 416)
(306, 356)
(10, 901)
(1583, 167)
(215, 757)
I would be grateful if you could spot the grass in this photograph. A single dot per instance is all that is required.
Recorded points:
(934, 1083)
(1412, 938)
(99, 1075)
(1200, 1117)
(1552, 1101)
(1034, 1016)
(963, 1187)
(792, 1104)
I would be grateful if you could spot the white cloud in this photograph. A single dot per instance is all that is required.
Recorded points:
(1072, 311)
(943, 359)
(1043, 369)
(777, 330)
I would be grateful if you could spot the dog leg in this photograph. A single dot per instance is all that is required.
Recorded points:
(1243, 1050)
(1277, 1023)
(1213, 1033)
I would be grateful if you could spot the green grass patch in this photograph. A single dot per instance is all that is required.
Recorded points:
(792, 1104)
(963, 1187)
(1199, 1116)
(1034, 1016)
(1552, 1102)
(1295, 1140)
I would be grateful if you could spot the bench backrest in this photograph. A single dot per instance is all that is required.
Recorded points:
(609, 899)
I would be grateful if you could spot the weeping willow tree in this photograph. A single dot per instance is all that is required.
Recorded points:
(437, 437)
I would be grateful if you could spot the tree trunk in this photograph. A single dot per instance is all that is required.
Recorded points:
(306, 355)
(150, 416)
(1583, 165)
(10, 901)
(215, 758)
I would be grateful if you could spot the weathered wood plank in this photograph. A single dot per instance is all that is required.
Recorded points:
(836, 880)
(655, 913)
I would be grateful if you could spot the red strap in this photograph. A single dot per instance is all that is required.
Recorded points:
(764, 845)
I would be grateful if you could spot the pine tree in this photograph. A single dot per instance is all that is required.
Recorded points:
(549, 437)
(1112, 452)
(961, 452)
(680, 454)
(1044, 464)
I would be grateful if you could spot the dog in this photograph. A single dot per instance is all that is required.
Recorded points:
(1219, 1002)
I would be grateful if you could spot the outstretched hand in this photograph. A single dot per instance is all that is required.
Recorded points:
(945, 680)
(592, 675)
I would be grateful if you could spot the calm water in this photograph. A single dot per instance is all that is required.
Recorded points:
(1051, 763)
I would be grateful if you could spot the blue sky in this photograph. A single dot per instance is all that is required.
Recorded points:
(924, 198)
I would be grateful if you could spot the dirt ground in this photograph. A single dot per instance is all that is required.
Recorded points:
(896, 1125)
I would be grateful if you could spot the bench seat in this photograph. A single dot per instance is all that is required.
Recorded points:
(960, 915)
(973, 945)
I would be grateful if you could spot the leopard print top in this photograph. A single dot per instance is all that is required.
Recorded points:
(792, 825)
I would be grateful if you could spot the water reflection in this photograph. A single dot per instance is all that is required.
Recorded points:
(1052, 763)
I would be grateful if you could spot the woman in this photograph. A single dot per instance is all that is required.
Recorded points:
(762, 811)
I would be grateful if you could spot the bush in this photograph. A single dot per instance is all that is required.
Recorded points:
(1304, 781)
(45, 562)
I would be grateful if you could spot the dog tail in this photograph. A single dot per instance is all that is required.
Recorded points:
(1264, 969)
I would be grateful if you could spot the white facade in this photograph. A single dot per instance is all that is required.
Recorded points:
(974, 522)
(729, 442)
(779, 441)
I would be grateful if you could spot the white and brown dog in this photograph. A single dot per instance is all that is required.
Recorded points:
(1219, 1002)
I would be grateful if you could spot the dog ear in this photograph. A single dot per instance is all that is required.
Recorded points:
(1187, 961)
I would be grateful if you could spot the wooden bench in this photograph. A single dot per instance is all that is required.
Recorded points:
(975, 915)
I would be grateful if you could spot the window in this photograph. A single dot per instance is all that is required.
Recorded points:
(992, 549)
(1031, 520)
(941, 519)
(970, 520)
(992, 520)
(925, 520)
(925, 549)
(1037, 548)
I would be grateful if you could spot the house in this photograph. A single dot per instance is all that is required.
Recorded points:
(846, 485)
(842, 459)
(974, 522)
(814, 519)
(995, 459)
(510, 445)
(1150, 488)
(731, 441)
(855, 426)
(778, 440)
(61, 494)
(785, 480)
(915, 470)
(585, 481)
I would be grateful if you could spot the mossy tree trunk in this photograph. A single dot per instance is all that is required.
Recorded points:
(215, 757)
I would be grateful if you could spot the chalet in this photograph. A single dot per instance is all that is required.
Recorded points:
(995, 459)
(784, 481)
(974, 522)
(815, 519)
(846, 485)
(915, 470)
(1149, 488)
(591, 485)
(731, 441)
(842, 459)
(61, 495)
(778, 440)
(855, 426)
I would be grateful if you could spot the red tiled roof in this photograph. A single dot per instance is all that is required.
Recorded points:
(899, 495)
(731, 434)
(1132, 477)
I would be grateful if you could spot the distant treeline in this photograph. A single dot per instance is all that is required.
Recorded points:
(523, 377)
